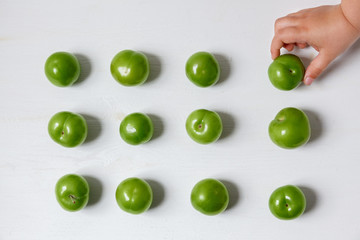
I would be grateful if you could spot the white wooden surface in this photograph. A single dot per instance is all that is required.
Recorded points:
(168, 32)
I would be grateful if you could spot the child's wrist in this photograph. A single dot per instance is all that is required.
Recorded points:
(350, 10)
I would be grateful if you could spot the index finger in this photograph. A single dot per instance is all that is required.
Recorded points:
(276, 45)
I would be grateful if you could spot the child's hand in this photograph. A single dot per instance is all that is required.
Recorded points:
(324, 28)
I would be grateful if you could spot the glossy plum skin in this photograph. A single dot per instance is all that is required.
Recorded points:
(62, 69)
(287, 202)
(202, 69)
(134, 195)
(286, 72)
(136, 128)
(210, 197)
(290, 129)
(68, 129)
(130, 68)
(204, 126)
(72, 192)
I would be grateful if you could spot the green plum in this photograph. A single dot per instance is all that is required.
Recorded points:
(204, 126)
(68, 129)
(202, 69)
(290, 128)
(130, 68)
(210, 197)
(286, 72)
(62, 69)
(287, 202)
(136, 128)
(72, 192)
(134, 195)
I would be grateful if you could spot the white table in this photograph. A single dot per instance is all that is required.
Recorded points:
(168, 32)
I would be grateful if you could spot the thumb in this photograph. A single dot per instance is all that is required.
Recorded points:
(316, 67)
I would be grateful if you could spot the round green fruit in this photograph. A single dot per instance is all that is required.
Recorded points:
(204, 126)
(286, 72)
(287, 202)
(290, 128)
(130, 68)
(72, 192)
(62, 69)
(134, 195)
(136, 128)
(202, 69)
(210, 197)
(68, 129)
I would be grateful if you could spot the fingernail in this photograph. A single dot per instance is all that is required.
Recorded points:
(308, 80)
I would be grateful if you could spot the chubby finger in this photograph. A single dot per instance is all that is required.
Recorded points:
(316, 67)
(285, 22)
(286, 36)
(289, 46)
(291, 35)
(276, 45)
(301, 45)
